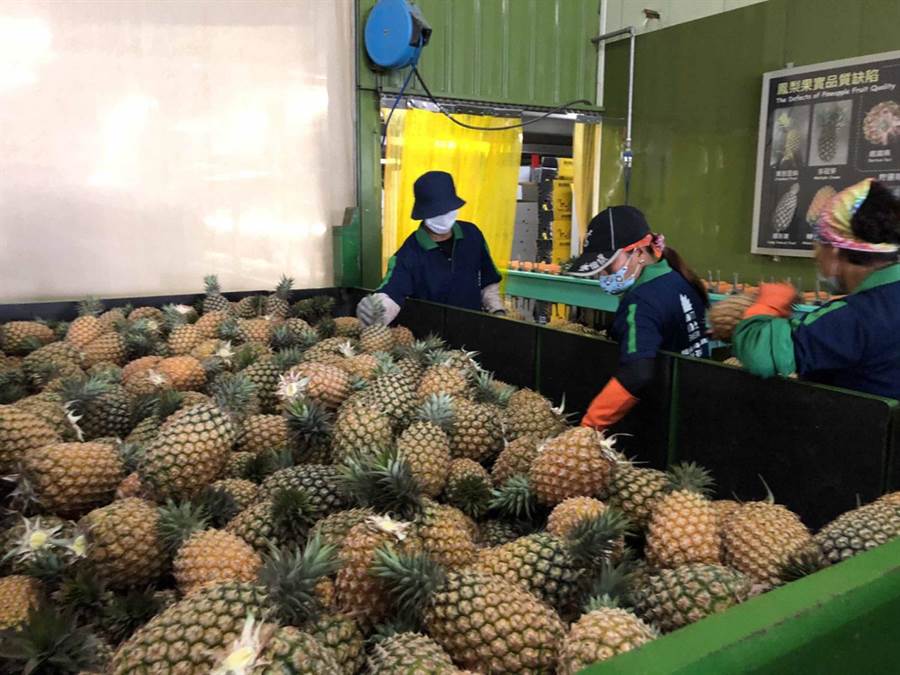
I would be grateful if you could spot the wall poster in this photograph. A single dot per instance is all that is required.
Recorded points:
(821, 128)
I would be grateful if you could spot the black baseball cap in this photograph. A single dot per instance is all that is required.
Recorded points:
(610, 231)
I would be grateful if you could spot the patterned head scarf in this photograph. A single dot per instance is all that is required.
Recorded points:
(833, 226)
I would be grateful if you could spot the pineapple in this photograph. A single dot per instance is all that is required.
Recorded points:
(309, 431)
(192, 634)
(242, 492)
(831, 119)
(577, 463)
(49, 407)
(405, 653)
(347, 326)
(552, 567)
(264, 373)
(566, 515)
(210, 324)
(184, 372)
(724, 315)
(19, 595)
(333, 528)
(261, 433)
(859, 530)
(250, 307)
(495, 533)
(759, 536)
(425, 446)
(819, 201)
(214, 300)
(22, 337)
(677, 597)
(20, 431)
(277, 304)
(342, 635)
(790, 146)
(318, 481)
(255, 330)
(150, 313)
(682, 527)
(603, 631)
(403, 336)
(358, 592)
(785, 209)
(109, 347)
(360, 428)
(72, 478)
(529, 413)
(392, 393)
(282, 520)
(446, 534)
(193, 445)
(101, 409)
(124, 547)
(263, 648)
(477, 432)
(184, 336)
(441, 379)
(515, 459)
(468, 487)
(635, 491)
(138, 366)
(362, 366)
(881, 124)
(377, 337)
(325, 384)
(518, 633)
(58, 359)
(213, 556)
(87, 327)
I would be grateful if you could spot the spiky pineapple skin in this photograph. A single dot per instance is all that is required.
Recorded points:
(20, 431)
(293, 651)
(333, 529)
(124, 544)
(255, 525)
(188, 636)
(18, 595)
(518, 634)
(572, 464)
(493, 533)
(599, 636)
(682, 530)
(318, 481)
(394, 395)
(342, 635)
(360, 427)
(15, 336)
(572, 511)
(635, 492)
(515, 459)
(376, 339)
(442, 379)
(724, 315)
(261, 433)
(185, 372)
(426, 448)
(859, 530)
(477, 433)
(214, 556)
(70, 479)
(189, 452)
(758, 537)
(408, 653)
(243, 492)
(328, 385)
(677, 597)
(445, 535)
(529, 413)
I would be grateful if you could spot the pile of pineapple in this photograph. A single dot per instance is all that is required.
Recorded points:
(260, 487)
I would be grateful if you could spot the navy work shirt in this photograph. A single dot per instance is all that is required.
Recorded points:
(452, 274)
(855, 342)
(661, 311)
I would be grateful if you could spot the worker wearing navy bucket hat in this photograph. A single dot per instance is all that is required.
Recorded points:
(662, 307)
(445, 260)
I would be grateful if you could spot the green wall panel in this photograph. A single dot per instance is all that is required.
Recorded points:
(535, 52)
(696, 112)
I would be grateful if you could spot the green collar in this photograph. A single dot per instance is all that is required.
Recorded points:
(427, 243)
(882, 277)
(652, 272)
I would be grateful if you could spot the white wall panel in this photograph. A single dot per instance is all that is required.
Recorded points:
(146, 143)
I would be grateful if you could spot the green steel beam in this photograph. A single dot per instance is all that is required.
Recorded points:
(839, 620)
(345, 242)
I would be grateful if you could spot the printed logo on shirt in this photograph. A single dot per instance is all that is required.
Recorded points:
(694, 331)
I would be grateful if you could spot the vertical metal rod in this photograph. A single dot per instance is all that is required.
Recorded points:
(631, 46)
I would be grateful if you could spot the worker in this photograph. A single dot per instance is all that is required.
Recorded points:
(662, 306)
(445, 260)
(850, 342)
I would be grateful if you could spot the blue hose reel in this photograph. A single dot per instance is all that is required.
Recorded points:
(395, 33)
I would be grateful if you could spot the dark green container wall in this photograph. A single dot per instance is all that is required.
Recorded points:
(530, 52)
(524, 52)
(696, 113)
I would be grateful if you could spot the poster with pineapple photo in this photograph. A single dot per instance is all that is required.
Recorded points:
(821, 128)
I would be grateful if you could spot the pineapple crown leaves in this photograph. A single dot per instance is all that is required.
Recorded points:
(283, 337)
(178, 315)
(411, 580)
(265, 464)
(438, 410)
(307, 421)
(50, 643)
(82, 593)
(307, 338)
(691, 477)
(593, 540)
(489, 390)
(515, 499)
(124, 613)
(245, 357)
(388, 629)
(291, 576)
(178, 521)
(233, 392)
(132, 455)
(325, 327)
(78, 392)
(293, 513)
(312, 309)
(217, 505)
(801, 563)
(141, 337)
(230, 329)
(211, 283)
(383, 482)
(283, 289)
(471, 494)
(610, 586)
(90, 306)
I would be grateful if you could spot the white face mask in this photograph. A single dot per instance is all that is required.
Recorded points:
(442, 224)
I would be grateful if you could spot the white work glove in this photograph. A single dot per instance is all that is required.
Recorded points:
(490, 299)
(377, 308)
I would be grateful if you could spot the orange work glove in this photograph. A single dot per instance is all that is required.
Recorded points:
(609, 406)
(773, 300)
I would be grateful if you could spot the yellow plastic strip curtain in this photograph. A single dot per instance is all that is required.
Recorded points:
(586, 158)
(484, 166)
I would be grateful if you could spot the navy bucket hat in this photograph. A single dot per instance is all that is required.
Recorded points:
(435, 195)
